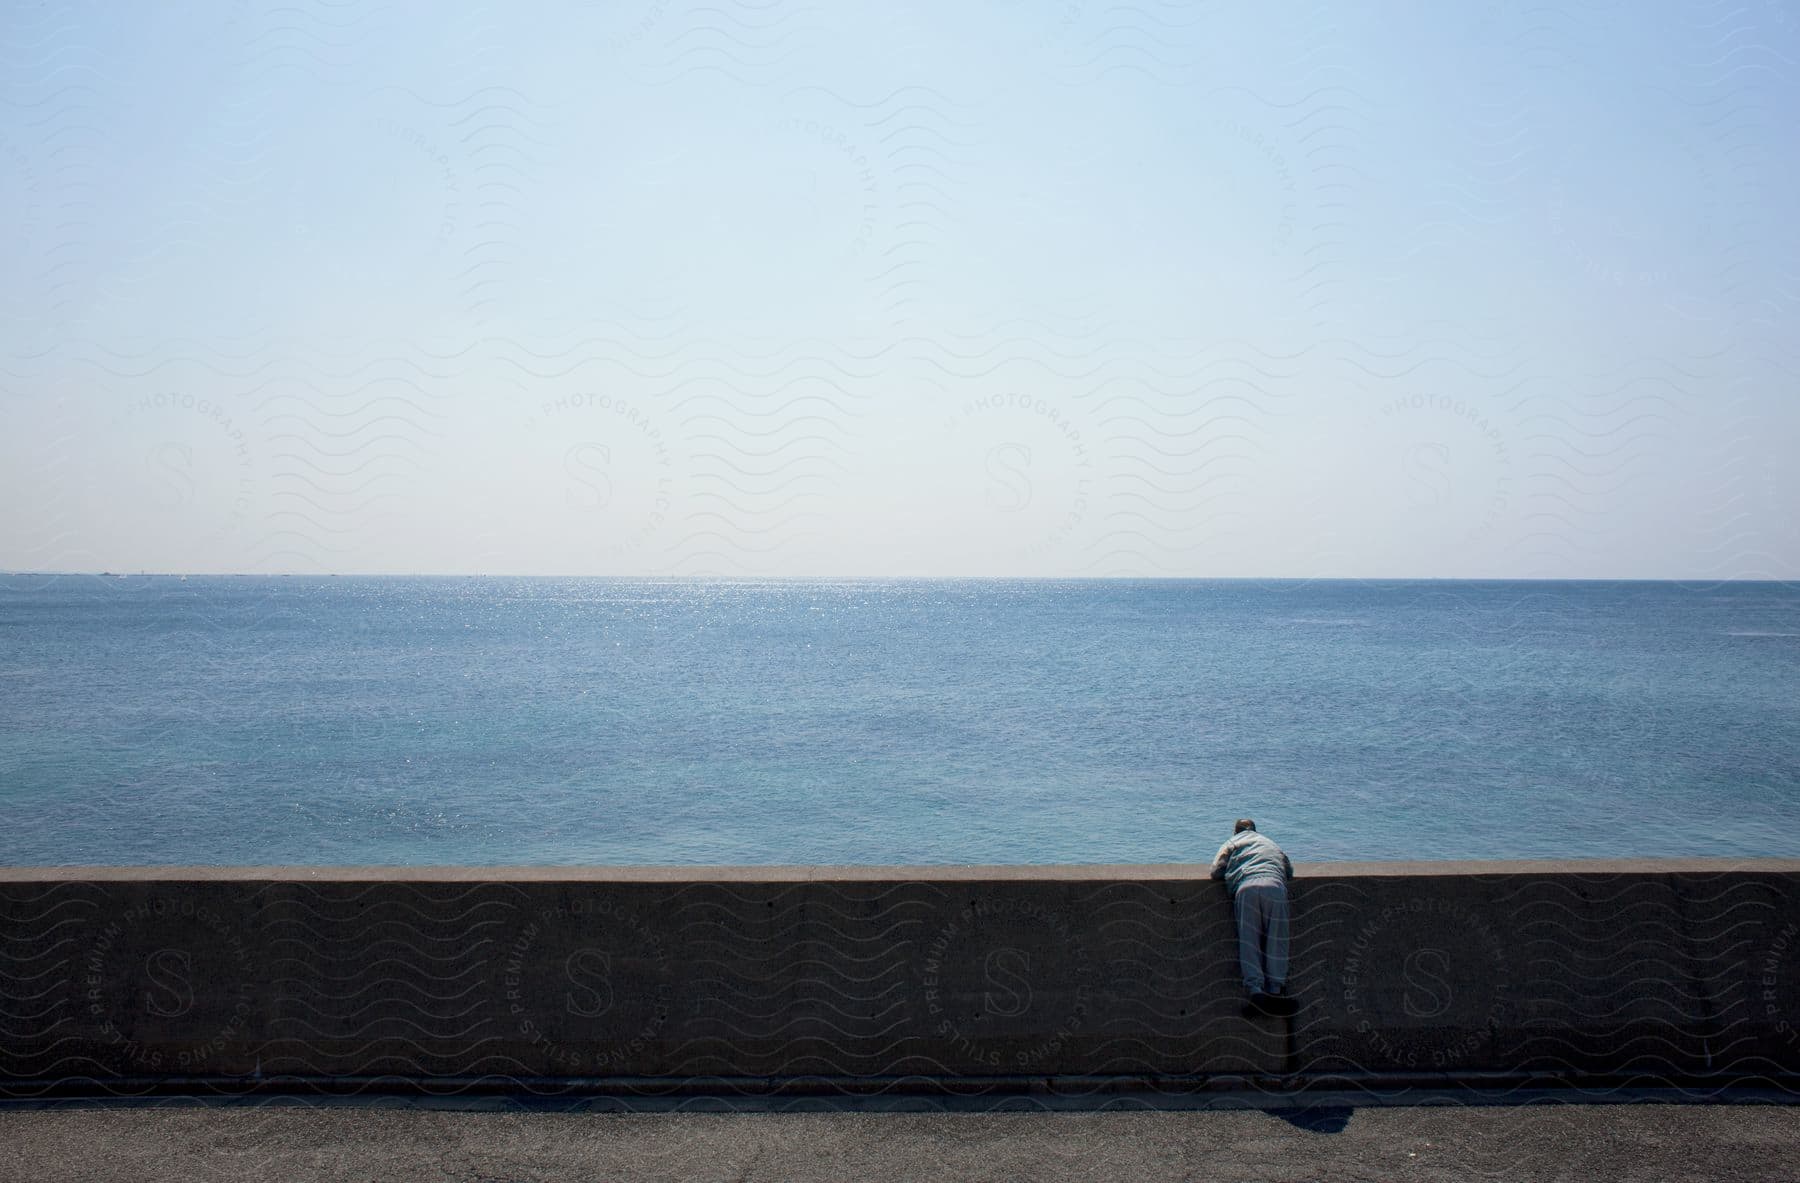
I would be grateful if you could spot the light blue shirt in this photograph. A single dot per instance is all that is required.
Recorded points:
(1249, 856)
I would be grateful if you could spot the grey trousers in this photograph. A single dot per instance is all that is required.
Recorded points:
(1262, 925)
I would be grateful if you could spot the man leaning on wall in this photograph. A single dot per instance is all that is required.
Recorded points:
(1256, 872)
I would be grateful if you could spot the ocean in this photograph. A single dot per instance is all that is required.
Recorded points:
(276, 720)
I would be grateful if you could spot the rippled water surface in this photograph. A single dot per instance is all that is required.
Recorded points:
(331, 721)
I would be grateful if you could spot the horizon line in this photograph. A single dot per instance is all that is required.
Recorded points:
(866, 578)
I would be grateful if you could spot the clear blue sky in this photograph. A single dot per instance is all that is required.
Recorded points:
(990, 288)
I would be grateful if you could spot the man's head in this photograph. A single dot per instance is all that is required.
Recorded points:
(1243, 824)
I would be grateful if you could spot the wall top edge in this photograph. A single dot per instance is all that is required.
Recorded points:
(939, 873)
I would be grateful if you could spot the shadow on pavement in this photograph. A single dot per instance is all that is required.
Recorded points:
(1319, 1119)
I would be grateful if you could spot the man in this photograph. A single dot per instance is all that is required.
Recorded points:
(1256, 872)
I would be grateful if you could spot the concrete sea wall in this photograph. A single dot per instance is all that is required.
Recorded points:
(1649, 971)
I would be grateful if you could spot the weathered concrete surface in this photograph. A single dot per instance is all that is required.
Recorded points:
(1542, 1142)
(121, 977)
(1672, 974)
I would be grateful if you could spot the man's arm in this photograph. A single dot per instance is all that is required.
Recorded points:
(1219, 860)
(1287, 864)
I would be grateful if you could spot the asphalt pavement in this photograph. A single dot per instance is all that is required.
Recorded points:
(382, 1143)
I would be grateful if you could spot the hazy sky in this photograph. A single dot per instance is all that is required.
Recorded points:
(967, 288)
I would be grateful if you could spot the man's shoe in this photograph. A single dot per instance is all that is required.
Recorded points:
(1274, 1005)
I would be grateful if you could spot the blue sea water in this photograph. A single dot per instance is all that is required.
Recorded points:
(253, 720)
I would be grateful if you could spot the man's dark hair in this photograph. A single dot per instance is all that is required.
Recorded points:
(1244, 823)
